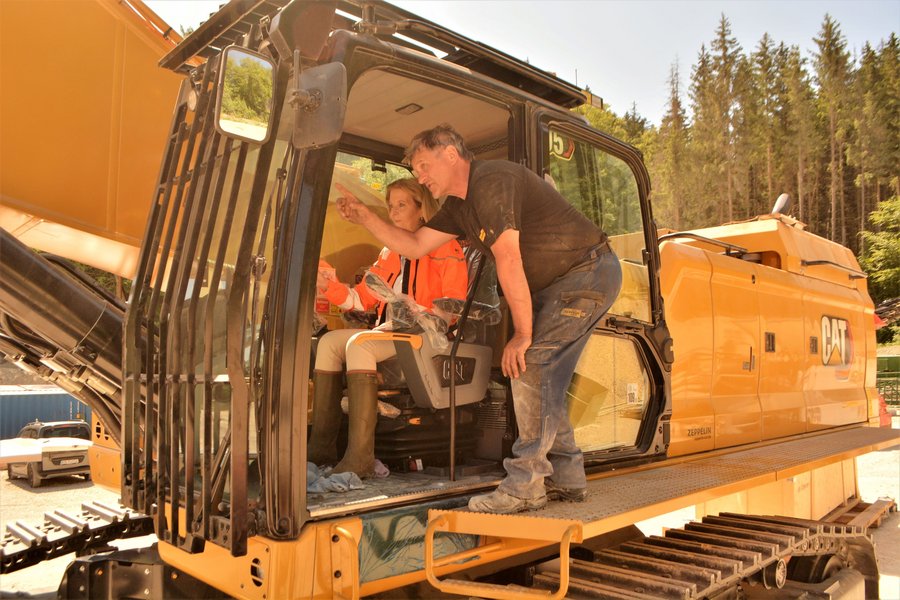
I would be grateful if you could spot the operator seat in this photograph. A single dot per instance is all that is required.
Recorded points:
(417, 381)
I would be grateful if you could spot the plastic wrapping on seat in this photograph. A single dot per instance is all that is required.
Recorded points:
(478, 311)
(405, 315)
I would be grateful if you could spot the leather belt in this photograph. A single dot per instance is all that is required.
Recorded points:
(597, 251)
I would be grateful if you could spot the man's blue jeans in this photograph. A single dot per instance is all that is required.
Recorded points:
(565, 314)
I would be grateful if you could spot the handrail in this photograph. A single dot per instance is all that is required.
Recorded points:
(453, 350)
(491, 590)
(347, 536)
(729, 248)
(853, 273)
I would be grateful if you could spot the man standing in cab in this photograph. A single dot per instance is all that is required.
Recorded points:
(559, 277)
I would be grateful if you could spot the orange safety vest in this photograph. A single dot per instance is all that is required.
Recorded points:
(442, 273)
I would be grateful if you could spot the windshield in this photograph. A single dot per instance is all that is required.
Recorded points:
(75, 431)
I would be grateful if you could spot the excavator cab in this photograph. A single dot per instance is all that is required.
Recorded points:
(221, 326)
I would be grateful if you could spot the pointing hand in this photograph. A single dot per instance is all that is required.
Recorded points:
(350, 208)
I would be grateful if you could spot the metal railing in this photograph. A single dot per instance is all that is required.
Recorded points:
(888, 384)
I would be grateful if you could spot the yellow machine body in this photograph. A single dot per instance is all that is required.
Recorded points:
(105, 456)
(83, 112)
(765, 348)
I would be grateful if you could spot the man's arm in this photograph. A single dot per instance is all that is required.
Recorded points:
(406, 243)
(511, 275)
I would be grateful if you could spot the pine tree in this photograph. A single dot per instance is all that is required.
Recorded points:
(746, 159)
(769, 90)
(800, 128)
(726, 54)
(832, 66)
(886, 161)
(670, 160)
(635, 126)
(705, 162)
(769, 122)
(783, 174)
(860, 152)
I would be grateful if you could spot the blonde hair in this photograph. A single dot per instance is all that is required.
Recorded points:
(419, 193)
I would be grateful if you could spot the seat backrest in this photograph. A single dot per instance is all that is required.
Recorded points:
(427, 372)
(427, 369)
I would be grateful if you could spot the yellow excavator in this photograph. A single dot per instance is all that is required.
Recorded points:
(735, 373)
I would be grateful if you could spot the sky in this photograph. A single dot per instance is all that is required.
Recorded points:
(624, 50)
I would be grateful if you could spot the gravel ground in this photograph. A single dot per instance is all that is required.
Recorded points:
(879, 476)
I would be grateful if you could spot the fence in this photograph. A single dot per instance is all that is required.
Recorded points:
(888, 379)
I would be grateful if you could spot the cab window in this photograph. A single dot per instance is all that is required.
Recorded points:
(610, 392)
(73, 431)
(28, 433)
(603, 188)
(346, 247)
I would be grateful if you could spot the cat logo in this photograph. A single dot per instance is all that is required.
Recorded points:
(837, 344)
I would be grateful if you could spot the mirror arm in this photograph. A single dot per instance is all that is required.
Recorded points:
(300, 98)
(369, 25)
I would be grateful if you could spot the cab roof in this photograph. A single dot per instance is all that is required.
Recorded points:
(238, 18)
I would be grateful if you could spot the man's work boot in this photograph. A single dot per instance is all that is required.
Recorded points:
(362, 390)
(501, 503)
(321, 448)
(562, 494)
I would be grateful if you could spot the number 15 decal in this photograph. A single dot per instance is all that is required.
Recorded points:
(561, 146)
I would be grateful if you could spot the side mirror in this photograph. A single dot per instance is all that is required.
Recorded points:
(244, 107)
(321, 104)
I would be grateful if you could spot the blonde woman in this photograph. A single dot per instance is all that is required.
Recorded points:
(439, 274)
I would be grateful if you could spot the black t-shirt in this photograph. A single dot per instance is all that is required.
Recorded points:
(503, 195)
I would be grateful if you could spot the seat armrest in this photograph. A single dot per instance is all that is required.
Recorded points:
(414, 340)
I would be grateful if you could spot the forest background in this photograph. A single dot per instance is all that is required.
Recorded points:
(825, 130)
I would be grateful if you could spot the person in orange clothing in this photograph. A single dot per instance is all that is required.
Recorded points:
(438, 274)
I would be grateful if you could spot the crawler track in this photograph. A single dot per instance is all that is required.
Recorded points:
(90, 531)
(718, 558)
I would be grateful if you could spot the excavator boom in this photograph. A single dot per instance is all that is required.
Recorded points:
(85, 129)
